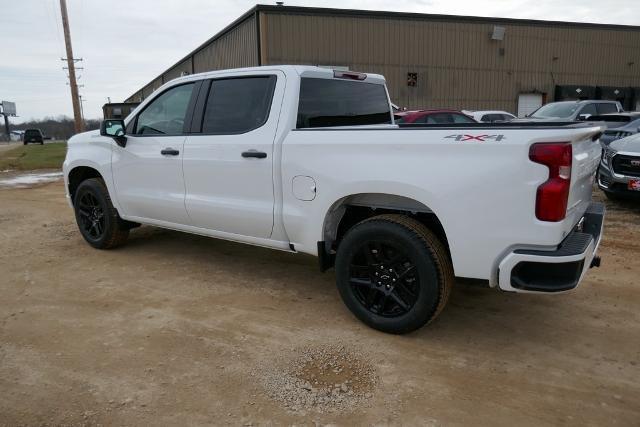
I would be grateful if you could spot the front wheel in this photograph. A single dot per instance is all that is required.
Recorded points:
(97, 219)
(393, 273)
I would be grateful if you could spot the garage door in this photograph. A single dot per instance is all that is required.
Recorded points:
(528, 103)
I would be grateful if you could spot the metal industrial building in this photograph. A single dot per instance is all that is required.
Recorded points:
(449, 61)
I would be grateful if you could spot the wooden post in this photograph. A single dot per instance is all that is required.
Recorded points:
(77, 115)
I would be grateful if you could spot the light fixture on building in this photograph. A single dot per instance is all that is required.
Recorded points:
(498, 33)
(412, 79)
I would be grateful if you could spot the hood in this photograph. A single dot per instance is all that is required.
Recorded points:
(629, 144)
(633, 127)
(546, 119)
(84, 136)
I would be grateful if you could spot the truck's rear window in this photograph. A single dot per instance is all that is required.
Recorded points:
(327, 102)
(32, 133)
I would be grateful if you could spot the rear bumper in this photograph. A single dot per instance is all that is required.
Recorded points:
(559, 270)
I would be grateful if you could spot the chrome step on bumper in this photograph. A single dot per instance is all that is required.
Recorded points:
(559, 270)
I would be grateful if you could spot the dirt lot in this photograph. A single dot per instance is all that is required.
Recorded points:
(175, 329)
(5, 146)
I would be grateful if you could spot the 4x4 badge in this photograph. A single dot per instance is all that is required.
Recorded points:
(481, 138)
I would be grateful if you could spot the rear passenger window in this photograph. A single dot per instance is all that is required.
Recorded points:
(238, 105)
(440, 118)
(328, 102)
(461, 118)
(606, 108)
(423, 119)
(589, 109)
(490, 118)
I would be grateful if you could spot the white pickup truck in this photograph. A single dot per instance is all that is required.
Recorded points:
(307, 159)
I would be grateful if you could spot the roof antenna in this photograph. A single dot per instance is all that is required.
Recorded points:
(279, 3)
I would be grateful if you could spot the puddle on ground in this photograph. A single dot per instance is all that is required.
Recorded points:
(29, 179)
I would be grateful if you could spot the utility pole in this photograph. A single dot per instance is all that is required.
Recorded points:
(6, 126)
(77, 114)
(81, 108)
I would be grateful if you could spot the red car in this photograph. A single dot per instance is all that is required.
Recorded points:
(433, 117)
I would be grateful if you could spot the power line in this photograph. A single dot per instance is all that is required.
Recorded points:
(53, 20)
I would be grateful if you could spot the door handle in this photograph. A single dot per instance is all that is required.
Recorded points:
(169, 152)
(254, 154)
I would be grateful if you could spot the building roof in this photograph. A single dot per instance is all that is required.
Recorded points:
(428, 16)
(321, 11)
(399, 15)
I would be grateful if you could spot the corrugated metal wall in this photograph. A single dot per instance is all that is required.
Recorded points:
(458, 64)
(148, 89)
(237, 47)
(177, 70)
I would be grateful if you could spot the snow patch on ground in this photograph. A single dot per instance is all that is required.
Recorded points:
(28, 179)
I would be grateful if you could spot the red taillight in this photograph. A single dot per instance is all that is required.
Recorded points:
(553, 195)
(349, 75)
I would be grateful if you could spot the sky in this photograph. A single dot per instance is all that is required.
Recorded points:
(124, 44)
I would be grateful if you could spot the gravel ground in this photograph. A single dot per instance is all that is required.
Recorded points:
(174, 329)
(331, 378)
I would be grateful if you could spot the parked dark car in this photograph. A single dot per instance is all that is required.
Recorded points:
(619, 125)
(33, 136)
(619, 171)
(432, 117)
(571, 111)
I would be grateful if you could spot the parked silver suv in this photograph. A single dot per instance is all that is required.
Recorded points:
(619, 171)
(571, 111)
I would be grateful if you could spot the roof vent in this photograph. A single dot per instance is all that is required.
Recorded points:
(279, 3)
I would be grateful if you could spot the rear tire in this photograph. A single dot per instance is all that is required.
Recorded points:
(97, 219)
(393, 273)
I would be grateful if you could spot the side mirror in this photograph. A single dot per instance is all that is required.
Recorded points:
(584, 116)
(114, 128)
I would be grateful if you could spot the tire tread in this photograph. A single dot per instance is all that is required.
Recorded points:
(438, 251)
(120, 232)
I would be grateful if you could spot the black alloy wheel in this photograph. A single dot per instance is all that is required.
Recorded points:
(97, 219)
(91, 215)
(384, 279)
(393, 273)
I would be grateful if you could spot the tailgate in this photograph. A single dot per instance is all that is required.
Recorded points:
(586, 157)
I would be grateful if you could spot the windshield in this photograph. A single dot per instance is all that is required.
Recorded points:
(556, 109)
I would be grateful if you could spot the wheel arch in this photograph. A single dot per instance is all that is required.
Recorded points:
(349, 210)
(77, 175)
